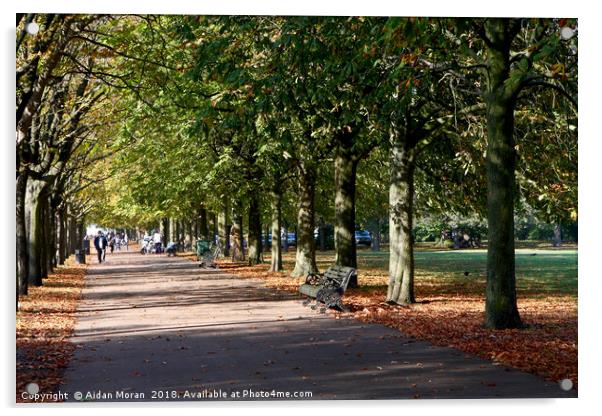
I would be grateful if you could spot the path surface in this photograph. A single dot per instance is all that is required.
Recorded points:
(160, 327)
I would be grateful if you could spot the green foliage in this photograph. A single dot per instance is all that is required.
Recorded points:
(211, 106)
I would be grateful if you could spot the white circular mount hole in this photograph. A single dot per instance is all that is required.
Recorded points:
(32, 28)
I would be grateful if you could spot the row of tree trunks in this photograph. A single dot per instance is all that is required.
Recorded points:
(45, 235)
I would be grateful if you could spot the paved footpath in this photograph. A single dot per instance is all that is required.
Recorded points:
(161, 327)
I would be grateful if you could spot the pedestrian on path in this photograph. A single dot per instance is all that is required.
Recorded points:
(157, 239)
(100, 244)
(112, 242)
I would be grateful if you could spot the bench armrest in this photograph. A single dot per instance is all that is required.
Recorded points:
(313, 278)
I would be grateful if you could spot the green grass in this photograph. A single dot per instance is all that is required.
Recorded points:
(546, 271)
(539, 272)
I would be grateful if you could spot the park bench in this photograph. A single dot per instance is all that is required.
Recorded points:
(328, 288)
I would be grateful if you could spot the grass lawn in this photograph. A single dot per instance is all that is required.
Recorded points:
(450, 308)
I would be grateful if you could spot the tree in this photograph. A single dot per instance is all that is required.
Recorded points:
(507, 75)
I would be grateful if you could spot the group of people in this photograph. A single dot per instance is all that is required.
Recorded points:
(103, 242)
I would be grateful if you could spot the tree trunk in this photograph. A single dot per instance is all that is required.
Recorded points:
(557, 240)
(173, 231)
(22, 260)
(72, 232)
(254, 231)
(180, 231)
(214, 228)
(306, 252)
(224, 232)
(204, 230)
(322, 234)
(401, 204)
(188, 233)
(81, 233)
(165, 230)
(236, 232)
(44, 243)
(276, 262)
(33, 209)
(50, 232)
(266, 237)
(62, 238)
(500, 306)
(345, 169)
(376, 235)
(285, 239)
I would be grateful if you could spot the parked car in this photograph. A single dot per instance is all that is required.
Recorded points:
(362, 237)
(292, 239)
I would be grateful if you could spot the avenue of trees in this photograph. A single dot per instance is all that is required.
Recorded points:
(203, 126)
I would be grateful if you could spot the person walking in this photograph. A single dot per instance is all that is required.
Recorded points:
(125, 241)
(112, 242)
(157, 238)
(100, 244)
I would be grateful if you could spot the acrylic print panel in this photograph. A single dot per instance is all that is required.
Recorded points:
(295, 208)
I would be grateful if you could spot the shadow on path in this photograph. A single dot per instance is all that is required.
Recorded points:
(156, 324)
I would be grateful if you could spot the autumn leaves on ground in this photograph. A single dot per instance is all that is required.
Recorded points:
(45, 320)
(450, 291)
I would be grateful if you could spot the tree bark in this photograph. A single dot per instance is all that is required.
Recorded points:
(557, 240)
(34, 220)
(203, 229)
(62, 240)
(401, 205)
(49, 238)
(173, 230)
(165, 230)
(276, 200)
(236, 241)
(72, 232)
(500, 307)
(376, 235)
(266, 237)
(81, 233)
(43, 242)
(214, 228)
(285, 239)
(322, 234)
(22, 259)
(188, 233)
(224, 232)
(305, 262)
(345, 169)
(254, 231)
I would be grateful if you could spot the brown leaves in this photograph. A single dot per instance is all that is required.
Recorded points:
(45, 321)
